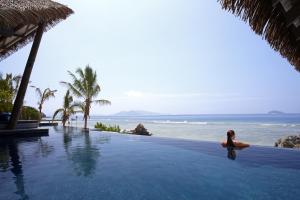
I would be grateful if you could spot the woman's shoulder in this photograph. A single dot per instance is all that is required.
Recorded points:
(241, 144)
(224, 144)
(236, 144)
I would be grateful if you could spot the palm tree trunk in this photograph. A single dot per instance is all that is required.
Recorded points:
(40, 110)
(25, 79)
(86, 113)
(85, 121)
(64, 123)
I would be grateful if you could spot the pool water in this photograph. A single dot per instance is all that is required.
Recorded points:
(69, 164)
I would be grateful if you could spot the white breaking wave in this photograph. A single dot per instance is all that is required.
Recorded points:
(178, 122)
(282, 125)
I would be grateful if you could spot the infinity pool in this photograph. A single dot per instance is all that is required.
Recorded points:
(69, 164)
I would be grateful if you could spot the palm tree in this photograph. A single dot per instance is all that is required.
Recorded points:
(67, 110)
(85, 86)
(11, 83)
(43, 96)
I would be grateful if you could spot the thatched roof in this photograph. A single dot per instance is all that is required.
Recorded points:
(277, 21)
(20, 18)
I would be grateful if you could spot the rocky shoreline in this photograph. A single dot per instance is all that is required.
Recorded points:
(292, 141)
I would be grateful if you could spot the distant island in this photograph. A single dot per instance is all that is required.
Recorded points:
(135, 113)
(275, 112)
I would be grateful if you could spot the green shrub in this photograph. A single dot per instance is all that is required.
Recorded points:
(29, 113)
(5, 107)
(103, 127)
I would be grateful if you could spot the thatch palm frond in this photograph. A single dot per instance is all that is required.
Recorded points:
(273, 21)
(23, 17)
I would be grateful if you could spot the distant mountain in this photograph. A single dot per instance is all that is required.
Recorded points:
(135, 113)
(275, 112)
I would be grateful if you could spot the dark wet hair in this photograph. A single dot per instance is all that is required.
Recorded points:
(230, 143)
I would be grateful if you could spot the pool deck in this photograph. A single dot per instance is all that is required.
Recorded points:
(31, 132)
(48, 124)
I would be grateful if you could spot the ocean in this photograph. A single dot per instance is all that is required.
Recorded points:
(256, 129)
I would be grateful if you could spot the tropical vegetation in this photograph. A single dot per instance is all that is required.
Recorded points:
(29, 113)
(84, 86)
(43, 97)
(67, 110)
(103, 127)
(9, 85)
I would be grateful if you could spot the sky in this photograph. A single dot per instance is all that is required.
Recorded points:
(164, 56)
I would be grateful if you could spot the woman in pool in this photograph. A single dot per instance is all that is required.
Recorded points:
(231, 142)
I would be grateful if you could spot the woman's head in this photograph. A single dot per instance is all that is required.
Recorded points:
(230, 138)
(231, 134)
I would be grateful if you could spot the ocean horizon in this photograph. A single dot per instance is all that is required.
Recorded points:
(256, 129)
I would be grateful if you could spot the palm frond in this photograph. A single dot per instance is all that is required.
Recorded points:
(80, 86)
(74, 78)
(48, 93)
(80, 105)
(68, 99)
(96, 90)
(72, 88)
(37, 90)
(102, 102)
(57, 112)
(80, 72)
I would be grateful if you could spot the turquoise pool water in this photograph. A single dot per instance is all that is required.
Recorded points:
(72, 165)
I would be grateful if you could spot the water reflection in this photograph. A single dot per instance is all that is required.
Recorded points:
(231, 153)
(85, 157)
(17, 170)
(4, 158)
(10, 160)
(81, 150)
(43, 148)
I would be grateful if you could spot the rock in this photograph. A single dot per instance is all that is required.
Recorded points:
(140, 130)
(292, 141)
